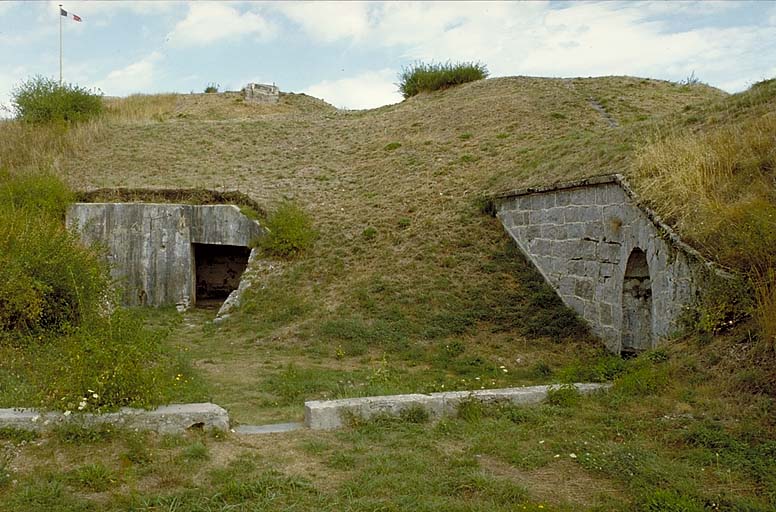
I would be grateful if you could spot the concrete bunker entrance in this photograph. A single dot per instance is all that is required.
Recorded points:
(218, 269)
(637, 335)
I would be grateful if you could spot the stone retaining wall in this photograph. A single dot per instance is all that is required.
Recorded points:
(586, 238)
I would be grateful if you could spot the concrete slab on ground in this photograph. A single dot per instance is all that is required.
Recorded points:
(167, 419)
(332, 414)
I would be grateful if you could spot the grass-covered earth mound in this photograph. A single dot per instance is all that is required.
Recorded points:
(409, 287)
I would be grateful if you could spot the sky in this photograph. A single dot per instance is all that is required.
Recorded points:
(350, 53)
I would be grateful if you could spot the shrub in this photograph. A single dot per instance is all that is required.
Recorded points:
(43, 100)
(211, 87)
(48, 280)
(289, 232)
(70, 346)
(427, 77)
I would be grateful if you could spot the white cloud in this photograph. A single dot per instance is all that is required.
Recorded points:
(7, 82)
(366, 90)
(328, 21)
(135, 78)
(208, 23)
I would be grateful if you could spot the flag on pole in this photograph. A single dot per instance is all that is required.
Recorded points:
(70, 15)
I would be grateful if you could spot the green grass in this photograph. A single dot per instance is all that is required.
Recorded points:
(410, 287)
(684, 447)
(434, 76)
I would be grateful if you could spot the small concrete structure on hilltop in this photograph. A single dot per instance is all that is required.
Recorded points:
(609, 259)
(169, 254)
(261, 93)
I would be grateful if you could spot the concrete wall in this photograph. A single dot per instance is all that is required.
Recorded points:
(580, 237)
(149, 245)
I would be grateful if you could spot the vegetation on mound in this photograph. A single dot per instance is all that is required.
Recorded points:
(289, 232)
(44, 100)
(716, 185)
(410, 288)
(435, 76)
(63, 342)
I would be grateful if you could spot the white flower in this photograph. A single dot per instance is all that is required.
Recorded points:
(67, 413)
(95, 395)
(573, 455)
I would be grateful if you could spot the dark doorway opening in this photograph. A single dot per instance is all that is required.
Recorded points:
(636, 305)
(218, 271)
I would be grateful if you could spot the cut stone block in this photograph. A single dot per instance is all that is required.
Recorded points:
(332, 414)
(167, 419)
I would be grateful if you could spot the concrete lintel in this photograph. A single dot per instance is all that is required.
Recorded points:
(331, 414)
(167, 419)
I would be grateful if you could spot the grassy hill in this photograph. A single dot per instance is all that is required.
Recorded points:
(411, 287)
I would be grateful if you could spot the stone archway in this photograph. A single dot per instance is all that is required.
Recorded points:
(637, 333)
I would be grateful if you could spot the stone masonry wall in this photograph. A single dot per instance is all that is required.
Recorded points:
(580, 237)
(149, 245)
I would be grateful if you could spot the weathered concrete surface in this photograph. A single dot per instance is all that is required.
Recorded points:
(149, 245)
(581, 237)
(332, 414)
(168, 419)
(275, 428)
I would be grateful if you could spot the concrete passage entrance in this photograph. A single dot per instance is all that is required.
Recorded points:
(218, 270)
(637, 333)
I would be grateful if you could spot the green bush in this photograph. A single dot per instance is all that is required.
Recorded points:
(427, 77)
(212, 87)
(289, 232)
(62, 339)
(47, 279)
(43, 100)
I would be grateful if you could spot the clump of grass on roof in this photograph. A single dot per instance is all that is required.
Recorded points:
(44, 100)
(427, 77)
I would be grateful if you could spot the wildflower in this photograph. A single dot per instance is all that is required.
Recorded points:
(541, 442)
(82, 405)
(67, 413)
(573, 455)
(95, 395)
(505, 370)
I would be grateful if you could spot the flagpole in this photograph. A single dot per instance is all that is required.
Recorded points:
(60, 45)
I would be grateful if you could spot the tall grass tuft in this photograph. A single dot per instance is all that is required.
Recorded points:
(718, 188)
(427, 77)
(140, 107)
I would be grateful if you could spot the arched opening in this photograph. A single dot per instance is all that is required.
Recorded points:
(636, 305)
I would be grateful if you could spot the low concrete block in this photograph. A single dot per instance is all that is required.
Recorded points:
(168, 419)
(332, 414)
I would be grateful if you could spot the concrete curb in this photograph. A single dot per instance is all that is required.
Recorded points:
(167, 419)
(331, 414)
